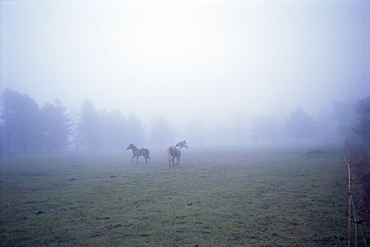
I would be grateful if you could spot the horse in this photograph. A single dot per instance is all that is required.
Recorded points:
(138, 152)
(175, 152)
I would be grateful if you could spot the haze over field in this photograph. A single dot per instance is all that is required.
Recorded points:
(186, 60)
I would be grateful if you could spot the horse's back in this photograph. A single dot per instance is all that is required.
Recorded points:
(170, 150)
(174, 151)
(145, 152)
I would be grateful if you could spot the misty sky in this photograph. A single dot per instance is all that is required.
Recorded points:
(182, 59)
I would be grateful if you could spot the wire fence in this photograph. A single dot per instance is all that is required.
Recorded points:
(352, 212)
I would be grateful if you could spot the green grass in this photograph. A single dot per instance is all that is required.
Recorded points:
(216, 198)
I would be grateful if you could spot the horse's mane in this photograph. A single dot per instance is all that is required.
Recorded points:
(132, 145)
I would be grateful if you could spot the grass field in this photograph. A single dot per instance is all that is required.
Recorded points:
(280, 197)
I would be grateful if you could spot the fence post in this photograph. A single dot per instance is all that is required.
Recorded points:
(349, 200)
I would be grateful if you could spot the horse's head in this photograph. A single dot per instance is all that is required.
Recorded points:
(182, 144)
(131, 146)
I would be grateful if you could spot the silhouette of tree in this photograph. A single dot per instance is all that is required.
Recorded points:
(89, 131)
(2, 132)
(344, 113)
(55, 126)
(114, 129)
(117, 129)
(300, 125)
(103, 116)
(363, 112)
(20, 118)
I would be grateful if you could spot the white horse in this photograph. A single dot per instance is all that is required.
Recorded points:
(175, 152)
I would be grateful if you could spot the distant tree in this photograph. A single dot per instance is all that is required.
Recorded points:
(114, 129)
(363, 112)
(344, 113)
(74, 138)
(20, 122)
(160, 131)
(135, 130)
(55, 126)
(300, 125)
(2, 146)
(117, 129)
(89, 130)
(103, 116)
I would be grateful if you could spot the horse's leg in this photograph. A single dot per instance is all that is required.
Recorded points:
(137, 159)
(132, 159)
(146, 155)
(173, 160)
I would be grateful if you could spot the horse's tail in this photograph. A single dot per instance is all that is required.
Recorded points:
(169, 154)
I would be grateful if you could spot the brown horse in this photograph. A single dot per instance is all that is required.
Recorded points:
(175, 152)
(138, 152)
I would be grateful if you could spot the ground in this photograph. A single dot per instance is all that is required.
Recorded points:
(223, 197)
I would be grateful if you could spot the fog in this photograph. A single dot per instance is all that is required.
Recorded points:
(203, 66)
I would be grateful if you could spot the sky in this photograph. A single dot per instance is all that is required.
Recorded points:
(187, 59)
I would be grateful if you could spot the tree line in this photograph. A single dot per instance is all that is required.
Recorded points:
(26, 127)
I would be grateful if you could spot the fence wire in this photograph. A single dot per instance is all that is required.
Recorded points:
(352, 211)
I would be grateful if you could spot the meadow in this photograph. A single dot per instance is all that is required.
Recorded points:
(251, 197)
